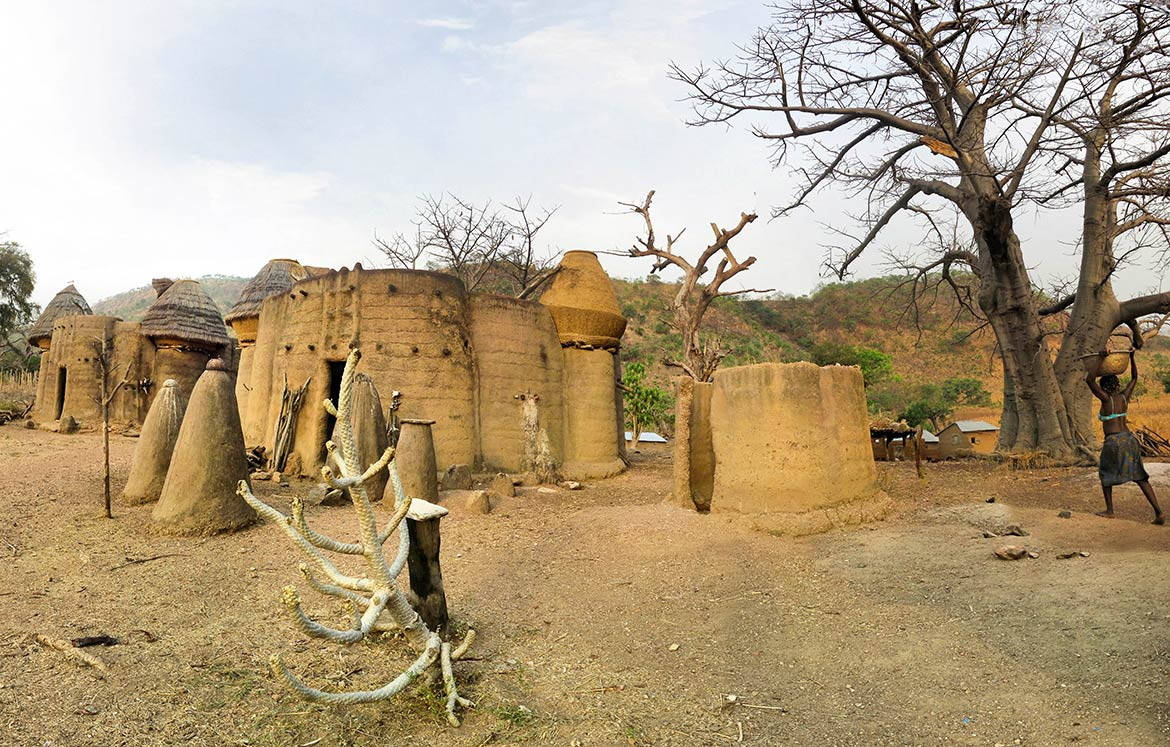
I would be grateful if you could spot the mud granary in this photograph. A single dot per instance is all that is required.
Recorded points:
(178, 334)
(509, 383)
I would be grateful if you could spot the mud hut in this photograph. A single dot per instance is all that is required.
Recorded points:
(964, 438)
(186, 331)
(199, 496)
(275, 278)
(589, 326)
(785, 445)
(476, 364)
(67, 302)
(182, 329)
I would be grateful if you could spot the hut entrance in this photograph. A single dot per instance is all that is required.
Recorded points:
(61, 374)
(336, 369)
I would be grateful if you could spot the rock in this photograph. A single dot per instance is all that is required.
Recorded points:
(571, 485)
(30, 423)
(1074, 554)
(1010, 552)
(1014, 530)
(262, 474)
(277, 476)
(502, 485)
(67, 425)
(989, 534)
(1064, 515)
(543, 489)
(316, 495)
(990, 500)
(672, 647)
(1033, 555)
(292, 464)
(458, 477)
(478, 503)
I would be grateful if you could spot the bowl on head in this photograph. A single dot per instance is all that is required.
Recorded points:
(1114, 363)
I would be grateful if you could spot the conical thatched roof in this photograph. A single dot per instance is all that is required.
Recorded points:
(185, 312)
(278, 276)
(68, 302)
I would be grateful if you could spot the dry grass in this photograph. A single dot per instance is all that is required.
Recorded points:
(17, 389)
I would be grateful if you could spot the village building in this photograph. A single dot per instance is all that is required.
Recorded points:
(508, 382)
(967, 437)
(179, 333)
(929, 445)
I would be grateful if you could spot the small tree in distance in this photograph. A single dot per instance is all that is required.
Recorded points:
(645, 404)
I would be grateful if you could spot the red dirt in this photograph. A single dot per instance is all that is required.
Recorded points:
(907, 631)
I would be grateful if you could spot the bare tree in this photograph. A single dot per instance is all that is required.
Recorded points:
(484, 246)
(527, 267)
(104, 358)
(917, 106)
(691, 301)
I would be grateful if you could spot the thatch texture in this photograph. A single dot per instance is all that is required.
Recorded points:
(278, 276)
(68, 302)
(186, 313)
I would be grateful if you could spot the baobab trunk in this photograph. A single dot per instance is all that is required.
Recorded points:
(1034, 415)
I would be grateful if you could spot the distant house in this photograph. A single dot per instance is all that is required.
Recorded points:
(966, 437)
(646, 437)
(929, 445)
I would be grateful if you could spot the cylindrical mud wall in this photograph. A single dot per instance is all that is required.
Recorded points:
(590, 445)
(694, 455)
(244, 382)
(75, 346)
(517, 353)
(790, 438)
(412, 329)
(173, 360)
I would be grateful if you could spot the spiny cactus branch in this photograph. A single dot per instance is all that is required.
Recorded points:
(383, 606)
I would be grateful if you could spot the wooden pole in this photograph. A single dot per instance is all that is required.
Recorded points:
(106, 427)
(918, 451)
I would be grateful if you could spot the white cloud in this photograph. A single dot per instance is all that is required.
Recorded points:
(450, 24)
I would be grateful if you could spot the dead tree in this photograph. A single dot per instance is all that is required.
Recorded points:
(382, 606)
(691, 301)
(528, 269)
(919, 107)
(103, 357)
(487, 247)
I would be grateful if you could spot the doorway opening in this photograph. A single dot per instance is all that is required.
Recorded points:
(61, 378)
(336, 369)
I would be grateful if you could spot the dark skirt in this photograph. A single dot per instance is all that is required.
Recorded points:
(1121, 460)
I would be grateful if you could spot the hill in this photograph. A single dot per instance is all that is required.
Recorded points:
(132, 304)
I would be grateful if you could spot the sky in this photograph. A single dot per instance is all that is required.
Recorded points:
(182, 139)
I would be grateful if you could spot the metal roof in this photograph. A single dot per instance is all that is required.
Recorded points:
(975, 426)
(929, 437)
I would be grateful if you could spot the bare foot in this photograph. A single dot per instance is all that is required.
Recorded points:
(1159, 520)
(1105, 514)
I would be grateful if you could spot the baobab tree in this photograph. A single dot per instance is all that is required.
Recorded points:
(924, 109)
(700, 357)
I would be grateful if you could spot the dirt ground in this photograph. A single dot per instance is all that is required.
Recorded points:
(605, 617)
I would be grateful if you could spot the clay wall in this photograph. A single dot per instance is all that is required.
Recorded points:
(694, 456)
(172, 360)
(516, 353)
(412, 329)
(591, 451)
(791, 447)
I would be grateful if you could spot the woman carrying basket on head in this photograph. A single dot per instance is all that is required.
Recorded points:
(1121, 455)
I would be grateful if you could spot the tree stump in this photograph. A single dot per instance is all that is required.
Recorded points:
(426, 576)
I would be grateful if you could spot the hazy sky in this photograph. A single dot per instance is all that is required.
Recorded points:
(187, 138)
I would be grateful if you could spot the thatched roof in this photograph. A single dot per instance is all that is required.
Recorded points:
(278, 276)
(185, 312)
(68, 302)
